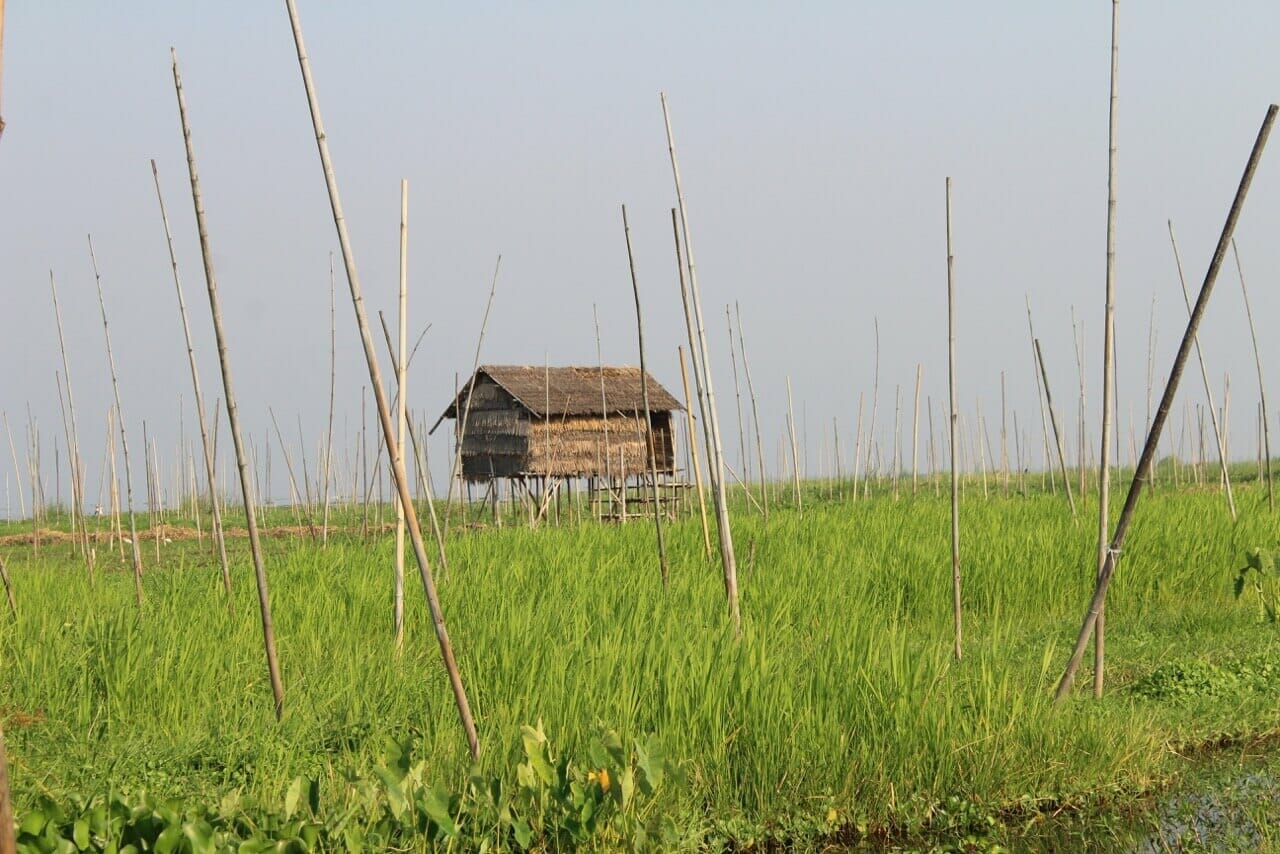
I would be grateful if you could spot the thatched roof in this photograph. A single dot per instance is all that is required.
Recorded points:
(573, 390)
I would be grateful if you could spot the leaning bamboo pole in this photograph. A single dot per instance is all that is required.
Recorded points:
(233, 416)
(293, 482)
(384, 414)
(955, 407)
(695, 357)
(124, 441)
(13, 452)
(1044, 421)
(1108, 366)
(744, 459)
(455, 472)
(692, 441)
(716, 453)
(402, 412)
(755, 415)
(79, 523)
(644, 393)
(1142, 473)
(206, 444)
(1053, 419)
(1262, 392)
(1218, 433)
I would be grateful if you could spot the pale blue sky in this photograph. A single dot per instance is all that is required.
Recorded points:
(814, 141)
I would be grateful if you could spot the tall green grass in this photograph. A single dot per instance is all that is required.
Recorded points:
(840, 694)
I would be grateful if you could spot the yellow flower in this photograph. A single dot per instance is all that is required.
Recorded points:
(832, 816)
(601, 777)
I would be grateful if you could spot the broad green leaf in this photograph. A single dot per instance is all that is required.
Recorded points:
(169, 839)
(80, 833)
(524, 833)
(395, 795)
(651, 760)
(435, 802)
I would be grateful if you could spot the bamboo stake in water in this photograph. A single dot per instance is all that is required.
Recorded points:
(644, 393)
(402, 394)
(124, 440)
(1219, 441)
(703, 377)
(1053, 418)
(951, 383)
(233, 416)
(1142, 473)
(218, 537)
(384, 414)
(1262, 392)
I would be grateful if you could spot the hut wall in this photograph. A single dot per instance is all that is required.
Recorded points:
(576, 445)
(496, 443)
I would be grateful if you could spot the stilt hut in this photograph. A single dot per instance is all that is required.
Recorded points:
(530, 424)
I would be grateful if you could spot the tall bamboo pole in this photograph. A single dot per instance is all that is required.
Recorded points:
(333, 385)
(233, 416)
(124, 441)
(703, 376)
(1142, 473)
(1108, 365)
(384, 414)
(744, 459)
(1053, 418)
(644, 393)
(795, 456)
(955, 407)
(78, 521)
(1262, 392)
(1219, 440)
(915, 433)
(205, 443)
(402, 395)
(1044, 421)
(755, 415)
(693, 447)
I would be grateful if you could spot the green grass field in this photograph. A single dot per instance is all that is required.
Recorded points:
(838, 713)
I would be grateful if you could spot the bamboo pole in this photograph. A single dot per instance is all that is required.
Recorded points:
(124, 441)
(915, 433)
(1262, 392)
(1219, 441)
(693, 447)
(1044, 421)
(755, 416)
(695, 356)
(233, 417)
(8, 590)
(402, 394)
(8, 845)
(206, 444)
(455, 472)
(13, 451)
(795, 460)
(293, 483)
(744, 460)
(703, 378)
(644, 393)
(951, 383)
(1108, 366)
(73, 444)
(1053, 418)
(333, 385)
(384, 414)
(1162, 413)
